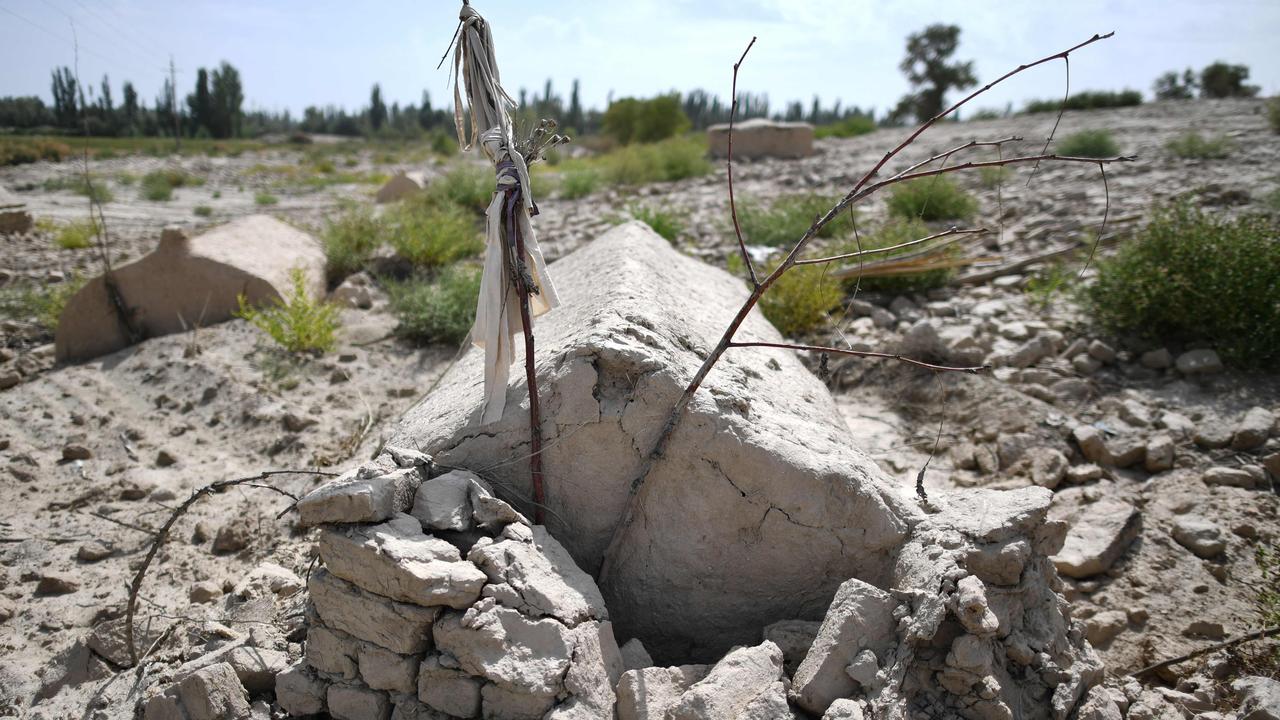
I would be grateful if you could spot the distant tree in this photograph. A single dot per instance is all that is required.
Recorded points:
(165, 110)
(129, 109)
(1221, 80)
(1170, 86)
(630, 120)
(226, 99)
(377, 108)
(200, 103)
(573, 118)
(930, 74)
(24, 112)
(66, 107)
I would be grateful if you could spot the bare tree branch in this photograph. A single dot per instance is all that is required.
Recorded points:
(892, 248)
(972, 369)
(733, 208)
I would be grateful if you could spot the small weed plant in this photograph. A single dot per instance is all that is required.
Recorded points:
(667, 223)
(930, 199)
(852, 126)
(786, 219)
(429, 234)
(798, 302)
(76, 235)
(1192, 277)
(265, 198)
(1089, 144)
(575, 184)
(1194, 146)
(299, 323)
(439, 308)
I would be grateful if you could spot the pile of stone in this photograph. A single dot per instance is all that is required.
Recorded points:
(435, 599)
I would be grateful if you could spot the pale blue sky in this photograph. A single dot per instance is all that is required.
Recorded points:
(292, 54)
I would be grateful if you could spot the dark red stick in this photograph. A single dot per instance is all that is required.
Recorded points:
(531, 376)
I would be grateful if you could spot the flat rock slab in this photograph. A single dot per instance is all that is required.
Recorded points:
(761, 137)
(762, 503)
(1099, 534)
(366, 494)
(860, 620)
(189, 282)
(396, 626)
(542, 576)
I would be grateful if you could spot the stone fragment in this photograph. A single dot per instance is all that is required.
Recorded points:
(448, 690)
(1199, 362)
(396, 626)
(351, 702)
(970, 653)
(93, 551)
(1159, 453)
(732, 684)
(401, 185)
(1048, 466)
(1127, 450)
(544, 577)
(366, 494)
(1083, 473)
(442, 502)
(1253, 430)
(500, 703)
(299, 691)
(1200, 536)
(1231, 477)
(267, 578)
(1101, 352)
(594, 669)
(488, 511)
(333, 652)
(999, 563)
(76, 451)
(52, 583)
(189, 280)
(1031, 352)
(1103, 627)
(397, 560)
(382, 669)
(843, 709)
(1093, 444)
(794, 637)
(859, 618)
(1212, 434)
(635, 657)
(782, 518)
(1098, 705)
(1259, 698)
(233, 536)
(408, 708)
(1177, 423)
(1157, 359)
(761, 137)
(1099, 534)
(649, 693)
(213, 693)
(204, 592)
(504, 646)
(972, 608)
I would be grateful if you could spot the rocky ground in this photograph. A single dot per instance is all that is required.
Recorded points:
(1163, 462)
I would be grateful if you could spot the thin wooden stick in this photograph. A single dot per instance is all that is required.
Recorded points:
(971, 369)
(531, 379)
(733, 208)
(892, 248)
(1255, 635)
(210, 489)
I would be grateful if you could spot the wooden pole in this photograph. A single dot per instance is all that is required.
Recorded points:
(531, 378)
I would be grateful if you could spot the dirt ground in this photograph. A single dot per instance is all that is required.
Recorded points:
(94, 456)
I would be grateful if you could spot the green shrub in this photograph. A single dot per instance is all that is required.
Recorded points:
(1089, 144)
(441, 309)
(203, 211)
(42, 303)
(897, 232)
(349, 242)
(852, 126)
(578, 183)
(1194, 146)
(931, 198)
(429, 234)
(1087, 101)
(1190, 277)
(800, 300)
(158, 185)
(23, 151)
(1044, 285)
(467, 186)
(784, 222)
(667, 223)
(76, 235)
(93, 189)
(265, 198)
(299, 323)
(667, 161)
(630, 120)
(1273, 115)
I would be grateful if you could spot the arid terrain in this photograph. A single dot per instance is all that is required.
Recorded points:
(1180, 458)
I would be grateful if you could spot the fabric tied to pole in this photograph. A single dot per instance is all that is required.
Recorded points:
(509, 212)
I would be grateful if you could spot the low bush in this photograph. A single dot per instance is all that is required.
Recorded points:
(1194, 146)
(1087, 101)
(1089, 144)
(40, 303)
(158, 185)
(931, 198)
(429, 234)
(799, 301)
(631, 120)
(349, 242)
(1273, 115)
(298, 324)
(76, 235)
(23, 151)
(203, 211)
(667, 223)
(1190, 277)
(667, 161)
(438, 309)
(467, 186)
(897, 232)
(579, 183)
(96, 190)
(852, 126)
(265, 198)
(787, 219)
